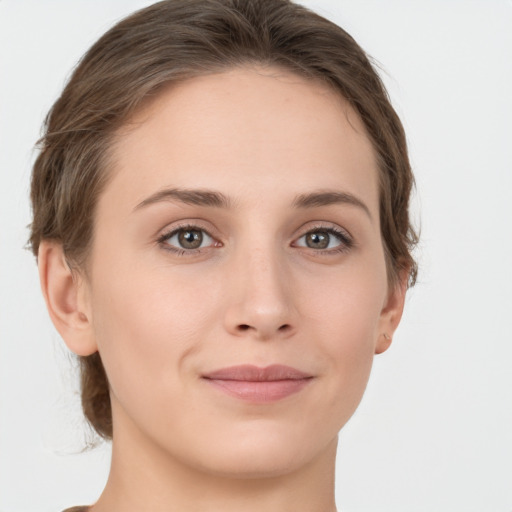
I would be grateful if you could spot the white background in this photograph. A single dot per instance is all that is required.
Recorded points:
(434, 431)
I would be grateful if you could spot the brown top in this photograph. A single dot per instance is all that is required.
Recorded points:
(76, 509)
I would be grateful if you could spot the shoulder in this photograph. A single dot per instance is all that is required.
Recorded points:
(76, 509)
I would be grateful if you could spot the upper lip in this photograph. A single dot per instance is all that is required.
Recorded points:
(251, 373)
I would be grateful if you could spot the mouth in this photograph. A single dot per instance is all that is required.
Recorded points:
(259, 385)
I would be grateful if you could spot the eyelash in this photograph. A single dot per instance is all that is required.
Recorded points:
(346, 241)
(181, 252)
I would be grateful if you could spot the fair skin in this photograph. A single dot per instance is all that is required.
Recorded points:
(267, 282)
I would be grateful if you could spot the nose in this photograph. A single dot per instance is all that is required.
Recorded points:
(260, 303)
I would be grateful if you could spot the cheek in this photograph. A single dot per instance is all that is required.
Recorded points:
(347, 304)
(146, 325)
(346, 313)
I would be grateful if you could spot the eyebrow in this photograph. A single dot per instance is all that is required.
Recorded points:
(197, 197)
(326, 198)
(214, 199)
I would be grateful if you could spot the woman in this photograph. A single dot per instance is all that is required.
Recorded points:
(222, 232)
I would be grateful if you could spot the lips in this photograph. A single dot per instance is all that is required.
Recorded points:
(259, 385)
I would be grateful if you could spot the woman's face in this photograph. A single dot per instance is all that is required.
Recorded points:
(240, 229)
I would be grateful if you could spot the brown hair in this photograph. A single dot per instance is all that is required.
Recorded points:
(176, 40)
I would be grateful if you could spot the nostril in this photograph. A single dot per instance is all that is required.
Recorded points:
(282, 328)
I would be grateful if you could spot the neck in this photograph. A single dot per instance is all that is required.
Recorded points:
(144, 477)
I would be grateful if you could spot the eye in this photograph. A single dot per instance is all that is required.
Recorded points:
(186, 239)
(325, 239)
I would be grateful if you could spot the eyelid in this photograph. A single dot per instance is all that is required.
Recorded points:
(346, 239)
(192, 226)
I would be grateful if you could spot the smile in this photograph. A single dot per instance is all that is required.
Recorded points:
(259, 385)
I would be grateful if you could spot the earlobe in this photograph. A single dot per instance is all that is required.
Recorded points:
(383, 343)
(391, 314)
(64, 296)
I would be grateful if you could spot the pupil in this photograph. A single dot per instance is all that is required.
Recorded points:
(191, 239)
(319, 240)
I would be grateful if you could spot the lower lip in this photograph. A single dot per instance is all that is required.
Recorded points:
(260, 391)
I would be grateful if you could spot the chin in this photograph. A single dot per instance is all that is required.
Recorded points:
(261, 453)
(254, 464)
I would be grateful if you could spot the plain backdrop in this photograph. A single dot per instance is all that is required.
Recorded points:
(434, 430)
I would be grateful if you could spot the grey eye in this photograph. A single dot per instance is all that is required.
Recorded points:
(322, 239)
(317, 240)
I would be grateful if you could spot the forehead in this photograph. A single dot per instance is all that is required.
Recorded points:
(245, 129)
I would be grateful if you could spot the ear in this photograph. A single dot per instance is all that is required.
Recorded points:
(391, 313)
(65, 295)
